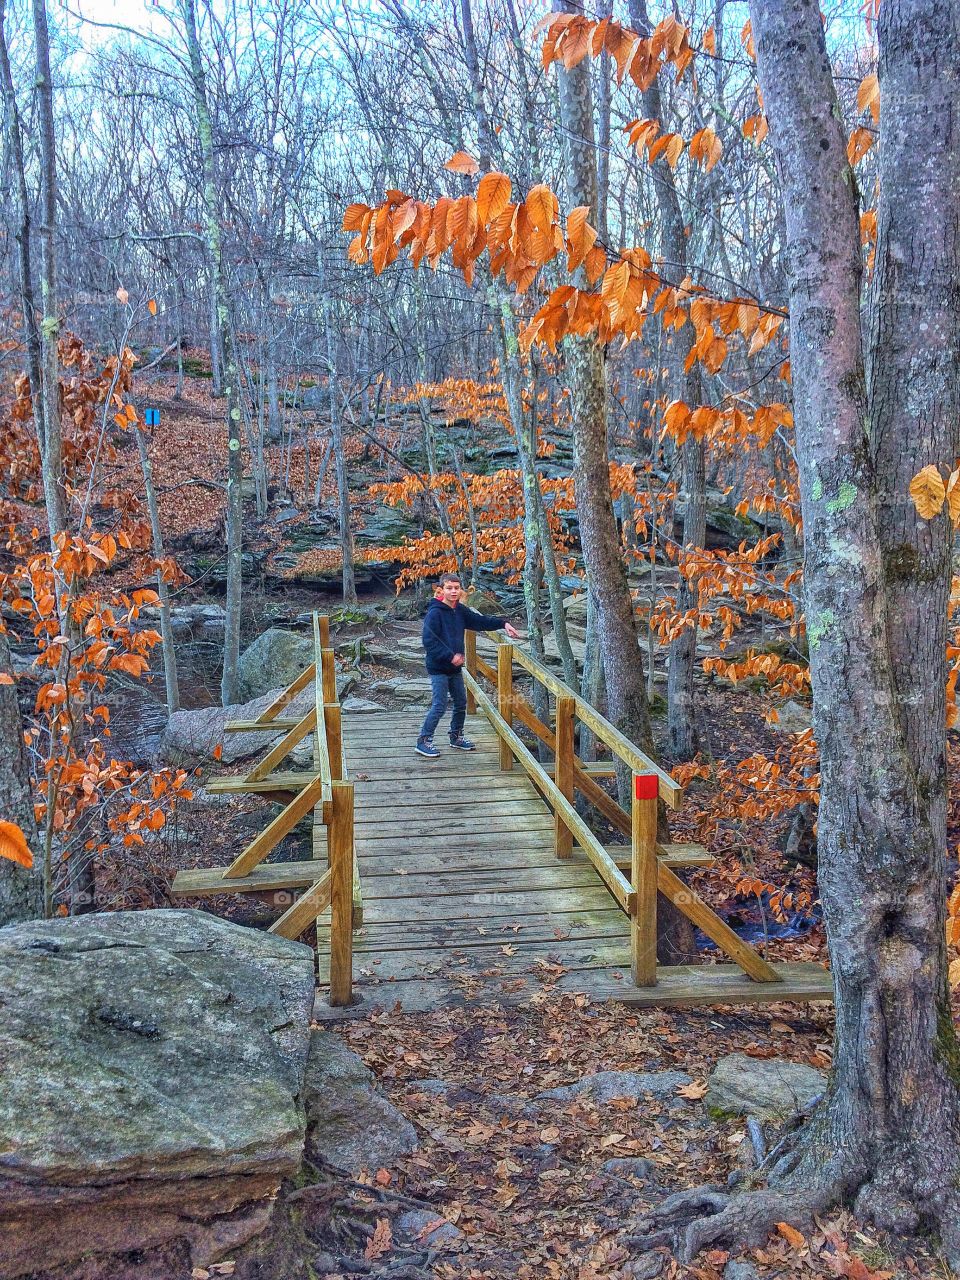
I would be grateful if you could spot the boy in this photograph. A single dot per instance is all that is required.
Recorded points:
(443, 629)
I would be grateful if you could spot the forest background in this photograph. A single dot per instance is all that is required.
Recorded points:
(590, 392)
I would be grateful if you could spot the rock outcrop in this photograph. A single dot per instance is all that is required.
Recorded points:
(153, 1068)
(350, 1124)
(769, 1088)
(191, 737)
(275, 658)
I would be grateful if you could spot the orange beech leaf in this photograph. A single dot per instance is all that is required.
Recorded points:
(462, 162)
(860, 142)
(746, 36)
(706, 148)
(540, 205)
(641, 132)
(670, 145)
(13, 845)
(6, 679)
(953, 495)
(756, 127)
(493, 195)
(928, 492)
(354, 216)
(868, 95)
(710, 42)
(152, 306)
(791, 1235)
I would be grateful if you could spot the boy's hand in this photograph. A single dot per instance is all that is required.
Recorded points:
(458, 659)
(511, 631)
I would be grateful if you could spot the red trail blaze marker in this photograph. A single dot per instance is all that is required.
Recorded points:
(648, 786)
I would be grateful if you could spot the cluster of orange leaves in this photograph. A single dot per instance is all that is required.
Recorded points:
(780, 900)
(81, 631)
(497, 505)
(731, 575)
(757, 788)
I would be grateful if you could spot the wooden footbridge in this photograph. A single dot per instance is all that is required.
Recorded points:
(474, 876)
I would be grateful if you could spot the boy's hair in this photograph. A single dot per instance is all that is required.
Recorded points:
(449, 577)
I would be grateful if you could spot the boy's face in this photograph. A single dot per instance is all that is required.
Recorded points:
(450, 593)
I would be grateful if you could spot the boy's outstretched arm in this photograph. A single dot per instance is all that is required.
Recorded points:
(482, 622)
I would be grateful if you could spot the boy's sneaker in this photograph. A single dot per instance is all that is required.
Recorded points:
(426, 748)
(463, 744)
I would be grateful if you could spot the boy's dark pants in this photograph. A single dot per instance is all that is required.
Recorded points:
(444, 686)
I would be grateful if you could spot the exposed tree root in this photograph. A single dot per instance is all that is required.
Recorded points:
(693, 1220)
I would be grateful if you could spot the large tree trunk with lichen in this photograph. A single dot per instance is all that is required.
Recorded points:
(21, 889)
(869, 414)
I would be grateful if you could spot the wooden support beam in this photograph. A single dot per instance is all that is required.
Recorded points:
(470, 663)
(290, 692)
(523, 712)
(323, 630)
(643, 877)
(695, 909)
(340, 845)
(505, 699)
(671, 793)
(563, 771)
(252, 726)
(328, 676)
(484, 669)
(284, 746)
(618, 818)
(268, 877)
(333, 732)
(270, 837)
(305, 910)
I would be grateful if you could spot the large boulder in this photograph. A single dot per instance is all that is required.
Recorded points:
(769, 1088)
(350, 1124)
(192, 737)
(414, 691)
(151, 1105)
(617, 1086)
(275, 658)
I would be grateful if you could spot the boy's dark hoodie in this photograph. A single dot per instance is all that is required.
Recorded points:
(443, 630)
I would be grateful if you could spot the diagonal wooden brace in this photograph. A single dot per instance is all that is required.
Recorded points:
(284, 746)
(305, 910)
(694, 907)
(270, 837)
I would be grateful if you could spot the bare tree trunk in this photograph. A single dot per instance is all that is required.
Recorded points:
(616, 625)
(224, 344)
(348, 580)
(171, 682)
(21, 890)
(50, 435)
(28, 305)
(681, 717)
(886, 1136)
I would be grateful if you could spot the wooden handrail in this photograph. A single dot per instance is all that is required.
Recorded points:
(608, 870)
(670, 791)
(649, 873)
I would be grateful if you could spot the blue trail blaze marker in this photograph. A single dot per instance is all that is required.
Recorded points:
(151, 417)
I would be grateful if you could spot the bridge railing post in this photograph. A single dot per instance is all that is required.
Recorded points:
(563, 768)
(505, 699)
(340, 849)
(470, 662)
(643, 926)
